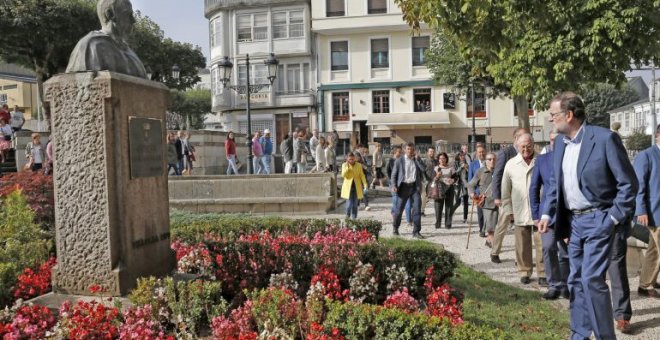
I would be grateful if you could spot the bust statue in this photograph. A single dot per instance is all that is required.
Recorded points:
(106, 50)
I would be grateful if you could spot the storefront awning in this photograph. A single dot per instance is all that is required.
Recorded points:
(415, 118)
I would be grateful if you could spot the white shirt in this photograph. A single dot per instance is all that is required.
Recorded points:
(573, 196)
(36, 154)
(409, 174)
(17, 119)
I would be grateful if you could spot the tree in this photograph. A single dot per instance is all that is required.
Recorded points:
(536, 48)
(600, 98)
(193, 105)
(638, 141)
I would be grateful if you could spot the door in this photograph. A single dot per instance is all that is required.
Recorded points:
(281, 128)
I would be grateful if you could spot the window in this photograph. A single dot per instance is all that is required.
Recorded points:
(379, 53)
(293, 78)
(334, 8)
(3, 98)
(479, 105)
(252, 27)
(340, 106)
(306, 74)
(281, 79)
(288, 25)
(422, 100)
(10, 87)
(381, 101)
(258, 74)
(216, 84)
(339, 55)
(376, 6)
(216, 32)
(419, 47)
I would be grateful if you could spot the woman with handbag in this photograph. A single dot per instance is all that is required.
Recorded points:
(230, 153)
(482, 183)
(443, 182)
(35, 152)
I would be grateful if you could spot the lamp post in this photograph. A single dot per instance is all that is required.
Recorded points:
(473, 142)
(226, 67)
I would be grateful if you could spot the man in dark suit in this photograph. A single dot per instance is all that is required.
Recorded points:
(647, 167)
(591, 193)
(503, 219)
(407, 175)
(480, 161)
(555, 252)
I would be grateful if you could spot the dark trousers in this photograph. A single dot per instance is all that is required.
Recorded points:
(618, 273)
(409, 192)
(352, 203)
(555, 261)
(464, 198)
(480, 218)
(446, 204)
(589, 252)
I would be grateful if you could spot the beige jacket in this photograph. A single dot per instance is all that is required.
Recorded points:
(515, 190)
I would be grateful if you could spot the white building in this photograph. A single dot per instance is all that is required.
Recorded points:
(636, 116)
(257, 28)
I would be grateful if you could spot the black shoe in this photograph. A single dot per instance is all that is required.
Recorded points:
(418, 236)
(495, 259)
(464, 221)
(447, 227)
(525, 280)
(551, 294)
(543, 282)
(656, 285)
(395, 232)
(482, 234)
(488, 244)
(565, 294)
(648, 292)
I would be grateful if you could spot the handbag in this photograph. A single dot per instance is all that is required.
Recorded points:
(435, 190)
(192, 157)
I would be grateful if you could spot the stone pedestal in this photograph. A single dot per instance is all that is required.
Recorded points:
(111, 197)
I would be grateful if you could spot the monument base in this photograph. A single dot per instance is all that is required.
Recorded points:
(53, 301)
(111, 195)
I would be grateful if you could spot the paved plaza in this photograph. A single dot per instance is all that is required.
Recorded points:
(646, 312)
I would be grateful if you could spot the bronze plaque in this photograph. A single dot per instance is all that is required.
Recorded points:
(145, 141)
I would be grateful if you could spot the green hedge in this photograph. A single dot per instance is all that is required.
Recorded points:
(192, 227)
(364, 321)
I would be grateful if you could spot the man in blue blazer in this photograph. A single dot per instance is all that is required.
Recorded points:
(407, 175)
(555, 252)
(591, 193)
(480, 161)
(647, 167)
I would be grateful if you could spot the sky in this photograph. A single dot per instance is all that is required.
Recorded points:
(181, 20)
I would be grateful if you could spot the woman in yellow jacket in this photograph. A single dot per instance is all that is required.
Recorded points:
(354, 183)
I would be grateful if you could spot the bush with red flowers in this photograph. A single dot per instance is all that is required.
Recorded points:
(29, 322)
(33, 283)
(89, 320)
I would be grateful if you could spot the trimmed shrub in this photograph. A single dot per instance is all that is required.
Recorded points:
(38, 190)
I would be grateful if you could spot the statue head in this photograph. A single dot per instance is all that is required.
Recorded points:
(116, 17)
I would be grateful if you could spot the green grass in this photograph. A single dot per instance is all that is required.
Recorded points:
(521, 314)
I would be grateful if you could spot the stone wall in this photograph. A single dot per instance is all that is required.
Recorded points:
(210, 152)
(267, 194)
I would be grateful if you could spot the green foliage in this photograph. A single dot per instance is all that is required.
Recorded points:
(276, 311)
(600, 98)
(22, 242)
(186, 305)
(192, 227)
(194, 103)
(638, 141)
(364, 321)
(522, 314)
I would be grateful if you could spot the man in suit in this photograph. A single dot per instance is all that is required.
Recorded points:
(647, 167)
(429, 164)
(503, 219)
(555, 252)
(407, 175)
(475, 165)
(591, 193)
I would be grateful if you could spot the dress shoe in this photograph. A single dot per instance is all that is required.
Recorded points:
(648, 292)
(482, 234)
(543, 282)
(551, 294)
(488, 244)
(566, 294)
(656, 285)
(464, 221)
(437, 226)
(495, 259)
(395, 232)
(525, 280)
(418, 236)
(623, 326)
(447, 227)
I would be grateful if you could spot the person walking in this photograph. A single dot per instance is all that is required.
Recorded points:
(430, 162)
(17, 119)
(407, 174)
(555, 252)
(377, 164)
(359, 159)
(503, 220)
(331, 156)
(591, 194)
(257, 153)
(396, 154)
(230, 154)
(480, 188)
(461, 196)
(445, 177)
(313, 143)
(172, 154)
(178, 143)
(5, 140)
(647, 168)
(354, 182)
(475, 165)
(516, 181)
(286, 147)
(267, 148)
(300, 152)
(188, 153)
(321, 162)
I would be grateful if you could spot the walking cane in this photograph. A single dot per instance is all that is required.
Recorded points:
(470, 224)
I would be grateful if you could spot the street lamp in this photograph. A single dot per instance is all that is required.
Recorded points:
(176, 72)
(226, 67)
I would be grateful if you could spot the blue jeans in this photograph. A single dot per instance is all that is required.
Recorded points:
(352, 204)
(365, 197)
(231, 166)
(265, 162)
(179, 165)
(256, 164)
(407, 209)
(171, 166)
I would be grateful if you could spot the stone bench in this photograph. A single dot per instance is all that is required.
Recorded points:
(256, 194)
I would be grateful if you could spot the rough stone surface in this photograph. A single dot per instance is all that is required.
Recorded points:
(107, 234)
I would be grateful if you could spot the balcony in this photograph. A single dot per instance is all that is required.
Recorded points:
(409, 118)
(212, 6)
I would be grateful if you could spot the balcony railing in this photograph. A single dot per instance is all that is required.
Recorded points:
(211, 6)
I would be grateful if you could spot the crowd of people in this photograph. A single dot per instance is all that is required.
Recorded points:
(571, 209)
(180, 153)
(39, 156)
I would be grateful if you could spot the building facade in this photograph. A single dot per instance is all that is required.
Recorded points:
(636, 116)
(18, 86)
(239, 28)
